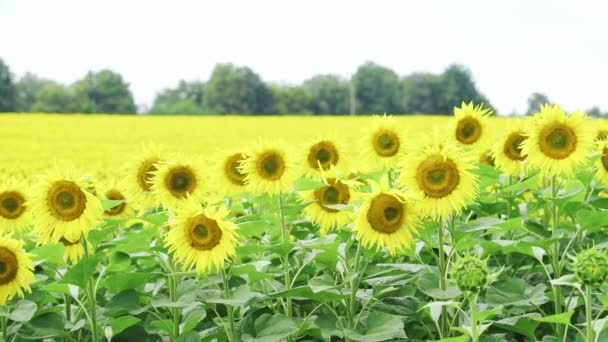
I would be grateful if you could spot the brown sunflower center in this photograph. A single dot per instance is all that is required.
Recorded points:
(144, 173)
(468, 131)
(8, 266)
(232, 169)
(557, 141)
(437, 176)
(11, 205)
(334, 194)
(386, 213)
(180, 181)
(66, 201)
(386, 143)
(512, 147)
(270, 165)
(67, 242)
(323, 155)
(204, 233)
(115, 195)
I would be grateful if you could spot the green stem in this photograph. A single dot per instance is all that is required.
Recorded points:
(4, 322)
(474, 327)
(588, 315)
(354, 285)
(68, 307)
(90, 291)
(232, 332)
(175, 312)
(442, 282)
(555, 256)
(285, 258)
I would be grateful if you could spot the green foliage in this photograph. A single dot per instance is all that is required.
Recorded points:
(54, 98)
(330, 94)
(186, 98)
(8, 91)
(103, 92)
(378, 90)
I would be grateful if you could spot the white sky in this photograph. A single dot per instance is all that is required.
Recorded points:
(512, 47)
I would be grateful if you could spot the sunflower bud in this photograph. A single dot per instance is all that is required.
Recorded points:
(470, 273)
(591, 267)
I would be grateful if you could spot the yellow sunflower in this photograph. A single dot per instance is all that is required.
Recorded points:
(16, 269)
(470, 125)
(139, 177)
(15, 215)
(177, 181)
(557, 143)
(201, 238)
(507, 151)
(487, 158)
(62, 207)
(116, 191)
(73, 250)
(601, 132)
(269, 169)
(322, 154)
(383, 144)
(387, 218)
(327, 211)
(601, 165)
(439, 173)
(228, 173)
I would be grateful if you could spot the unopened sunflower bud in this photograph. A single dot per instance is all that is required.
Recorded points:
(591, 267)
(470, 273)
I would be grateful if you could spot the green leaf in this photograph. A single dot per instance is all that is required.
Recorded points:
(523, 324)
(241, 296)
(562, 318)
(305, 184)
(82, 272)
(123, 281)
(119, 324)
(253, 228)
(428, 283)
(136, 241)
(51, 253)
(321, 283)
(380, 327)
(515, 292)
(529, 183)
(592, 220)
(192, 316)
(109, 204)
(273, 328)
(49, 324)
(24, 311)
(157, 219)
(462, 338)
(57, 288)
(119, 262)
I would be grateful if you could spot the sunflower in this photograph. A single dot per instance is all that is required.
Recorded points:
(327, 210)
(269, 169)
(557, 143)
(507, 151)
(203, 239)
(487, 158)
(387, 218)
(601, 132)
(73, 250)
(15, 269)
(14, 212)
(470, 125)
(440, 174)
(116, 191)
(62, 207)
(139, 177)
(178, 180)
(322, 154)
(601, 165)
(383, 144)
(227, 168)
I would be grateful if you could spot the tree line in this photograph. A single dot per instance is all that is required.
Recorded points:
(373, 89)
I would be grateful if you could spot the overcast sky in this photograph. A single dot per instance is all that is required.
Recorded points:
(513, 48)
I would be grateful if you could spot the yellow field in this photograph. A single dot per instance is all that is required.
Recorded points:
(30, 143)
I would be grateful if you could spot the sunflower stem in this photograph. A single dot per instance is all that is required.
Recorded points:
(90, 292)
(68, 307)
(232, 331)
(555, 256)
(285, 258)
(442, 281)
(4, 322)
(175, 312)
(354, 284)
(474, 326)
(588, 315)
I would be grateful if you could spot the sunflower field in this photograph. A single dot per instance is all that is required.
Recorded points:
(387, 228)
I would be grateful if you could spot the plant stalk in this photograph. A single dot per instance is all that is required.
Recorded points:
(90, 291)
(232, 332)
(588, 315)
(285, 258)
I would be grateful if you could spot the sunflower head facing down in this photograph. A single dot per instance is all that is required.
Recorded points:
(202, 239)
(440, 174)
(557, 143)
(63, 207)
(14, 212)
(601, 165)
(269, 169)
(382, 144)
(16, 269)
(73, 250)
(322, 154)
(227, 168)
(387, 218)
(470, 125)
(139, 176)
(507, 151)
(116, 191)
(178, 180)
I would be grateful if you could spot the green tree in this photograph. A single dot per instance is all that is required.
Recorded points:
(457, 86)
(377, 90)
(421, 92)
(236, 90)
(291, 100)
(535, 101)
(8, 92)
(54, 98)
(330, 94)
(596, 112)
(104, 92)
(27, 88)
(186, 98)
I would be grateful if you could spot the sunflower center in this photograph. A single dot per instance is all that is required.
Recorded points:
(66, 201)
(231, 168)
(204, 233)
(323, 155)
(8, 266)
(11, 205)
(144, 174)
(437, 176)
(115, 195)
(386, 143)
(512, 148)
(271, 166)
(557, 141)
(386, 213)
(335, 193)
(180, 181)
(468, 131)
(67, 242)
(605, 158)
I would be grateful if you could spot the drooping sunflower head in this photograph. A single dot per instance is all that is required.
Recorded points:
(382, 144)
(116, 191)
(63, 207)
(139, 176)
(322, 154)
(387, 218)
(591, 266)
(177, 180)
(202, 239)
(14, 212)
(440, 175)
(470, 273)
(601, 165)
(227, 169)
(73, 250)
(470, 125)
(487, 158)
(269, 169)
(508, 151)
(557, 143)
(16, 269)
